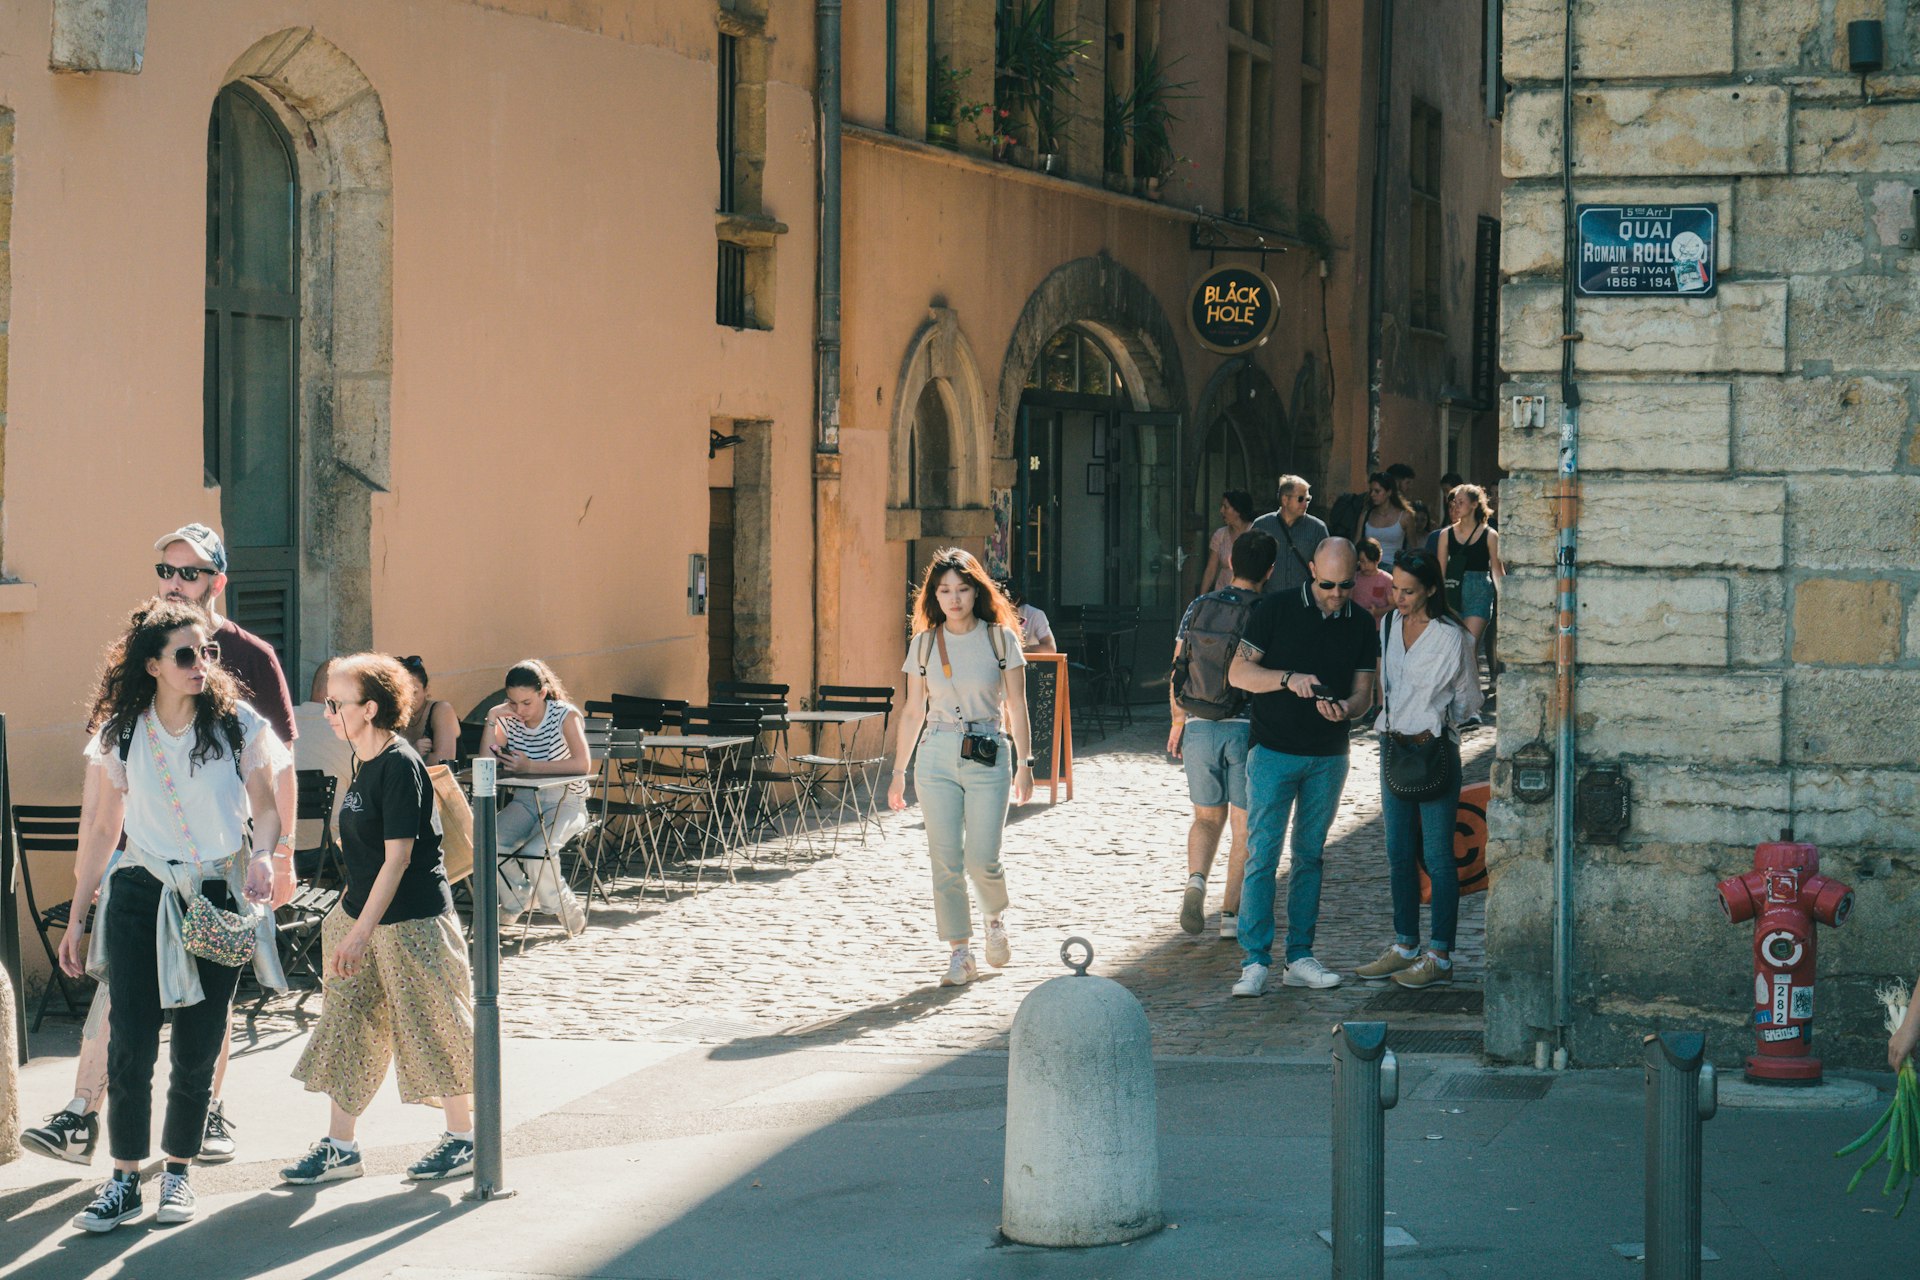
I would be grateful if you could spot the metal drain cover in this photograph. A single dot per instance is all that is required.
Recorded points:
(1434, 1041)
(1468, 1000)
(1480, 1086)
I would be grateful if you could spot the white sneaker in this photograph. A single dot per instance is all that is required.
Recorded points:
(961, 969)
(177, 1203)
(1229, 925)
(1308, 972)
(573, 915)
(1253, 980)
(999, 951)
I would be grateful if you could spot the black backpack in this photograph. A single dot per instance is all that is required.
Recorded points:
(1207, 644)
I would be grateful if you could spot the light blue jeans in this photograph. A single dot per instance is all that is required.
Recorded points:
(965, 807)
(1307, 790)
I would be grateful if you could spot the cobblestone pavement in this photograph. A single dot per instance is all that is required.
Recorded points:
(839, 947)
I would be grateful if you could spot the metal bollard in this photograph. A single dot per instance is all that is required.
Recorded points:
(488, 1159)
(1681, 1093)
(1366, 1085)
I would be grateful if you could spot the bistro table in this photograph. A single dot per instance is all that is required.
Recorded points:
(540, 783)
(703, 784)
(847, 762)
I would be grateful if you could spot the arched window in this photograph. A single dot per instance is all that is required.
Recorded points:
(1073, 362)
(930, 468)
(250, 411)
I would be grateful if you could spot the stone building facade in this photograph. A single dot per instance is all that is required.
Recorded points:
(1749, 637)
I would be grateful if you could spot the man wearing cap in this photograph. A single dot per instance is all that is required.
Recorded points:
(192, 570)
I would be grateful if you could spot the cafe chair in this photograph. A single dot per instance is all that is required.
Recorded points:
(50, 829)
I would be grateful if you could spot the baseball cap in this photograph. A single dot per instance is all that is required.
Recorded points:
(203, 540)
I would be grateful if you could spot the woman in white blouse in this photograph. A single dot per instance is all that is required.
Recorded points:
(1430, 684)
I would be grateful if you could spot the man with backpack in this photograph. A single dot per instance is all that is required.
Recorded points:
(1210, 728)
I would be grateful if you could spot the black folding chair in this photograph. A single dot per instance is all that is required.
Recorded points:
(51, 828)
(321, 878)
(851, 779)
(728, 691)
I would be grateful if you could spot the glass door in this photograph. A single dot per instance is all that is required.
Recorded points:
(1036, 506)
(1143, 529)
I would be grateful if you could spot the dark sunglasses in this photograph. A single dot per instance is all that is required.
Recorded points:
(186, 573)
(414, 664)
(186, 655)
(1345, 584)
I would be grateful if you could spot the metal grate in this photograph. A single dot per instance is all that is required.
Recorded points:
(1434, 1041)
(716, 1030)
(727, 117)
(1479, 1086)
(1466, 1000)
(730, 289)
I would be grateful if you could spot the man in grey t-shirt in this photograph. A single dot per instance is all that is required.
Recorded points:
(1297, 533)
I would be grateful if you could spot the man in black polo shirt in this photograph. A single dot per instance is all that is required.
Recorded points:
(1308, 659)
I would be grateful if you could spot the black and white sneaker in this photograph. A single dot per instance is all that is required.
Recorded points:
(177, 1201)
(325, 1162)
(216, 1144)
(66, 1136)
(451, 1158)
(118, 1201)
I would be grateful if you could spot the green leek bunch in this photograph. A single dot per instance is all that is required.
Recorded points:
(1901, 1121)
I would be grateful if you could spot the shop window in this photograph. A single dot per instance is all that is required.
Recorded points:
(743, 279)
(1250, 32)
(1426, 273)
(1075, 364)
(1313, 118)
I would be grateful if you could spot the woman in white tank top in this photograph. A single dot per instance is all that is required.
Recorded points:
(1388, 519)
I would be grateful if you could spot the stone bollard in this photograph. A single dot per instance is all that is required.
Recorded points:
(1083, 1150)
(9, 1073)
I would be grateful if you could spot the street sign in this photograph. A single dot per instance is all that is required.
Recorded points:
(1233, 310)
(1647, 250)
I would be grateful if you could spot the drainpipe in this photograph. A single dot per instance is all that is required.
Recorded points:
(1566, 507)
(1377, 247)
(827, 530)
(827, 316)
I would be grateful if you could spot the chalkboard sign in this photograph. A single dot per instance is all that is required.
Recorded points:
(1648, 250)
(1042, 679)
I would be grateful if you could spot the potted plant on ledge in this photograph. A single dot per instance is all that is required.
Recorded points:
(1033, 68)
(1150, 119)
(948, 110)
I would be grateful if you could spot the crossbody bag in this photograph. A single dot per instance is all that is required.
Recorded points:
(212, 933)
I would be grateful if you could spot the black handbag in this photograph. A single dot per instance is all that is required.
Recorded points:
(1419, 767)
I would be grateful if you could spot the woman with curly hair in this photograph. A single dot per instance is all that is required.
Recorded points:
(965, 686)
(182, 764)
(397, 987)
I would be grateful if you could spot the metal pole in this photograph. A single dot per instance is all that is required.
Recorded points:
(1681, 1092)
(488, 1159)
(1377, 238)
(9, 903)
(1366, 1084)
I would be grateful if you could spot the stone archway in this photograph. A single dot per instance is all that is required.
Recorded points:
(339, 128)
(1106, 299)
(939, 373)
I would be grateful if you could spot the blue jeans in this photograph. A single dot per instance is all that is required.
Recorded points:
(1423, 831)
(1279, 786)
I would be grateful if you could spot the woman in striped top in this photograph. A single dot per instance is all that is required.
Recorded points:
(538, 730)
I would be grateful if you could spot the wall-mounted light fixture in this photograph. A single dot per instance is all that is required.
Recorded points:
(716, 442)
(1866, 51)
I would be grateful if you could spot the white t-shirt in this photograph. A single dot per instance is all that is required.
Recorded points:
(974, 694)
(1034, 628)
(212, 795)
(318, 747)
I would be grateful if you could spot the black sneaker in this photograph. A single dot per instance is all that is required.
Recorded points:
(451, 1158)
(177, 1201)
(216, 1144)
(118, 1200)
(66, 1136)
(324, 1163)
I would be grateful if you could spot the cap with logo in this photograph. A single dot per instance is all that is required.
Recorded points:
(204, 541)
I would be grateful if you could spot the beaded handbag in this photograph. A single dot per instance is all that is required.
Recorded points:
(212, 933)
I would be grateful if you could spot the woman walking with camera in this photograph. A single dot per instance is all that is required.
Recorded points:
(1429, 685)
(397, 988)
(181, 763)
(967, 687)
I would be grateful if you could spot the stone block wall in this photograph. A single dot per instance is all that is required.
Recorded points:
(1749, 628)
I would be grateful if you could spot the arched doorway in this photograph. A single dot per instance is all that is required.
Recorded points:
(250, 430)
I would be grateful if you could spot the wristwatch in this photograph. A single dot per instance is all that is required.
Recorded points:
(1027, 763)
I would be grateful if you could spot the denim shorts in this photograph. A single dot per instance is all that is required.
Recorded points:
(1215, 755)
(1476, 595)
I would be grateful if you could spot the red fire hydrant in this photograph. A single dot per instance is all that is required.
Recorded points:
(1784, 895)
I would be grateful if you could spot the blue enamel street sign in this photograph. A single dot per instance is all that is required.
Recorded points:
(1647, 250)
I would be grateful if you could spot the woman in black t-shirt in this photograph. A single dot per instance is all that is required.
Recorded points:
(397, 986)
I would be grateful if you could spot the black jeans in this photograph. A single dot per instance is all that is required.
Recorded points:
(133, 1028)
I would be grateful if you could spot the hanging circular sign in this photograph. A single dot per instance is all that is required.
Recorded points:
(1233, 310)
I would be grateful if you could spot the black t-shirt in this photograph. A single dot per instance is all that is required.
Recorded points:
(391, 798)
(1290, 634)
